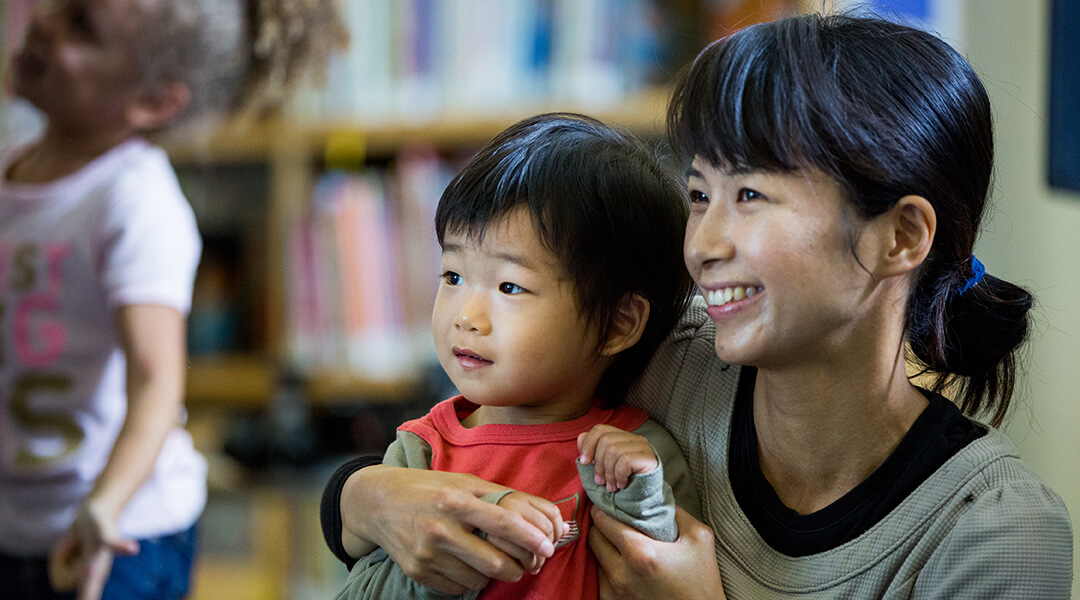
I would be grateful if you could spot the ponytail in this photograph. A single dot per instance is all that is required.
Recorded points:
(967, 340)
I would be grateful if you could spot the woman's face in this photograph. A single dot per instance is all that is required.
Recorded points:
(771, 255)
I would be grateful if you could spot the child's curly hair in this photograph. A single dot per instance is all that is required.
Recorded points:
(237, 55)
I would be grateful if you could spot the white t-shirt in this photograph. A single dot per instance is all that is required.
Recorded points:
(117, 232)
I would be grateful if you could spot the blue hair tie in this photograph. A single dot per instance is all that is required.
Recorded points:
(977, 272)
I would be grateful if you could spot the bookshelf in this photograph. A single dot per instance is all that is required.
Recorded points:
(293, 159)
(424, 84)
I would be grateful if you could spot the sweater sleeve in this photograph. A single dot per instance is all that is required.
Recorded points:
(1014, 541)
(330, 507)
(648, 502)
(376, 576)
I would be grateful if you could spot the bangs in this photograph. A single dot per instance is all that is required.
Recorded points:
(515, 173)
(743, 105)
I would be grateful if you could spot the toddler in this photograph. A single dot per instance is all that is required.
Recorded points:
(561, 272)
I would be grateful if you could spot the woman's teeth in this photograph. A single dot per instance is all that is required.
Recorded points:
(722, 296)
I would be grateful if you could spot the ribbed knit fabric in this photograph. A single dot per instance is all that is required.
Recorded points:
(982, 526)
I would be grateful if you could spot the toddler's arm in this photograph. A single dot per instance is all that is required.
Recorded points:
(637, 477)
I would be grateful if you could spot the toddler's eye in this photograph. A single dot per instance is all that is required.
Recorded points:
(451, 278)
(510, 288)
(698, 197)
(747, 194)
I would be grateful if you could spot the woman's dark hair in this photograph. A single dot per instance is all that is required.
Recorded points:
(887, 111)
(612, 216)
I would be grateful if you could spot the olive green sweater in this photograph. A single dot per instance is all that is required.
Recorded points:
(982, 526)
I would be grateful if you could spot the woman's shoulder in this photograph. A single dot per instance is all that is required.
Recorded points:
(1003, 485)
(1002, 521)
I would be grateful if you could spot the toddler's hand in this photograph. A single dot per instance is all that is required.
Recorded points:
(536, 511)
(618, 454)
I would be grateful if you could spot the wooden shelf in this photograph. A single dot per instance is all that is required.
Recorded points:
(250, 381)
(643, 113)
(341, 387)
(235, 380)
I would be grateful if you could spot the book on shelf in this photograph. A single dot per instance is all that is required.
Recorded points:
(421, 59)
(354, 263)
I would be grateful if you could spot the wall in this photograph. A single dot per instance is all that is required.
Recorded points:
(1031, 236)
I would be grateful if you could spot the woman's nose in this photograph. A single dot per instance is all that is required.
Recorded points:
(708, 238)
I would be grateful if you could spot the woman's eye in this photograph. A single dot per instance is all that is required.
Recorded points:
(510, 288)
(747, 194)
(451, 278)
(697, 197)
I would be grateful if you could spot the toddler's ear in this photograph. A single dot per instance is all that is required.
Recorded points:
(158, 106)
(628, 325)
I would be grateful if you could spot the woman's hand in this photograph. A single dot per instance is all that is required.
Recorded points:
(427, 522)
(634, 566)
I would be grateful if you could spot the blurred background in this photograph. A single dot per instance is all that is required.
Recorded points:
(309, 333)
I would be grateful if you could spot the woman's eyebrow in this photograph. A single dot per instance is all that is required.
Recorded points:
(692, 172)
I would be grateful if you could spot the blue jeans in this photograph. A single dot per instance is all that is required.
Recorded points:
(161, 570)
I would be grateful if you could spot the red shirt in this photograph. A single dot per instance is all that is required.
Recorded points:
(540, 460)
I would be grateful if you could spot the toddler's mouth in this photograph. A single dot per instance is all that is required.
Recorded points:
(465, 353)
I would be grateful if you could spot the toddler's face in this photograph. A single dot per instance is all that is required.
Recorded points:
(506, 323)
(77, 62)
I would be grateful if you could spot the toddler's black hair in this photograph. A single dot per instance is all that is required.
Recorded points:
(602, 203)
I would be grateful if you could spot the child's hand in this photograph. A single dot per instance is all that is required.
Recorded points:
(83, 557)
(536, 511)
(618, 454)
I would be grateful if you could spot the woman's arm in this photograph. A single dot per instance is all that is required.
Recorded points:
(634, 566)
(425, 520)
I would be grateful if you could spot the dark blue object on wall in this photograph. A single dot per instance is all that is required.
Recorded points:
(1064, 159)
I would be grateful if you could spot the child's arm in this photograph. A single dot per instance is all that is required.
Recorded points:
(637, 477)
(152, 338)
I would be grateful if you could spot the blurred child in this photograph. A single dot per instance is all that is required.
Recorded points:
(98, 249)
(561, 272)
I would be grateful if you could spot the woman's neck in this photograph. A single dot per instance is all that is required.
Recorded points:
(60, 152)
(823, 429)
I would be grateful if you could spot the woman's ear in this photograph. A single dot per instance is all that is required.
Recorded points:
(912, 224)
(629, 323)
(158, 106)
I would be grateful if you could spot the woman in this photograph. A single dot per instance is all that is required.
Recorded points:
(839, 172)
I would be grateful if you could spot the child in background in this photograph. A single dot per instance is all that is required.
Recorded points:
(98, 249)
(561, 245)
